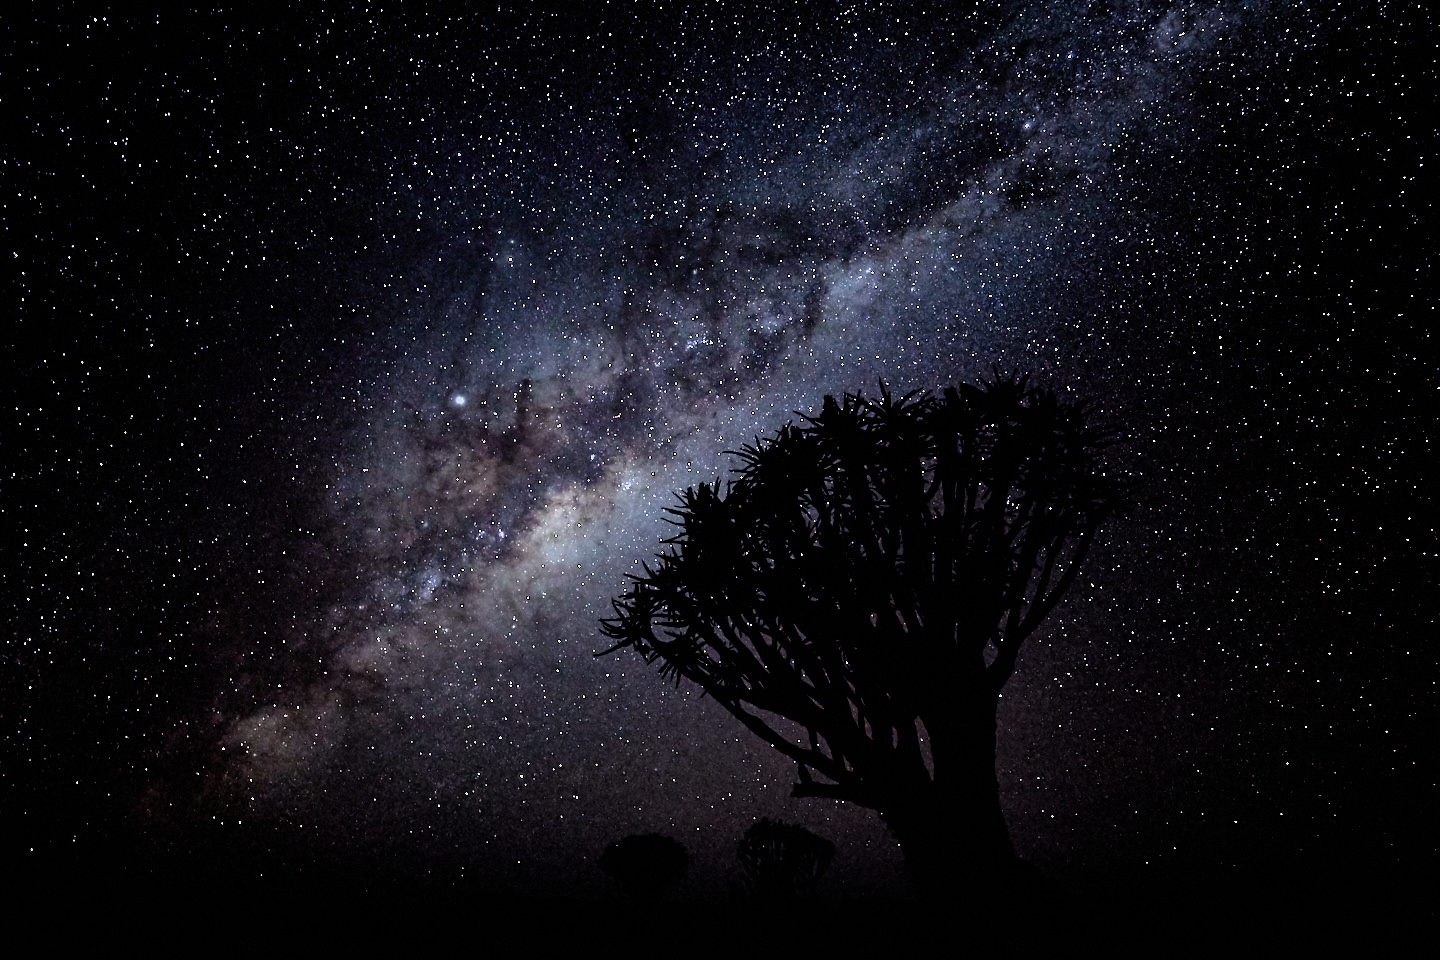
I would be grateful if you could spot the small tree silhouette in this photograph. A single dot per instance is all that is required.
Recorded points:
(781, 860)
(870, 577)
(648, 866)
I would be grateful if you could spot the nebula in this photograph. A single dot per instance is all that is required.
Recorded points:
(359, 357)
(656, 304)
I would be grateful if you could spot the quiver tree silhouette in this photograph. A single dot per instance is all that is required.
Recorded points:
(869, 576)
(647, 866)
(782, 860)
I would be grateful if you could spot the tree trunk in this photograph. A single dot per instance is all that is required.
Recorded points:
(951, 829)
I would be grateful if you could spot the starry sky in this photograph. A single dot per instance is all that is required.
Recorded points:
(355, 355)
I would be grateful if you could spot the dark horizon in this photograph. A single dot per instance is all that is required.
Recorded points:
(355, 363)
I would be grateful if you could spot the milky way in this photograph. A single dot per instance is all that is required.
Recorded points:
(577, 270)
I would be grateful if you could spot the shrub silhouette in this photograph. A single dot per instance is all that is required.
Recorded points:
(781, 860)
(859, 592)
(647, 866)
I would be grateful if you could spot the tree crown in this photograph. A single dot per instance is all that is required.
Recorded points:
(852, 575)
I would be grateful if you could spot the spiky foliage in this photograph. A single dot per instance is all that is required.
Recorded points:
(870, 571)
(782, 860)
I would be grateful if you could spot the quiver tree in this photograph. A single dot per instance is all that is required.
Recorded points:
(869, 576)
(647, 866)
(782, 860)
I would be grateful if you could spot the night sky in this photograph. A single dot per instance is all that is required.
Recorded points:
(354, 356)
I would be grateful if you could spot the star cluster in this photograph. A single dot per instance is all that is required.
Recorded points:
(366, 353)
